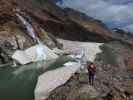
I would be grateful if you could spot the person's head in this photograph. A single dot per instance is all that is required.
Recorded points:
(89, 63)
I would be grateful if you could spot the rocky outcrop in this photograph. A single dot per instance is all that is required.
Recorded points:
(4, 5)
(11, 39)
(15, 37)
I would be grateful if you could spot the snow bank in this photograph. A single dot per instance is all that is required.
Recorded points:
(53, 79)
(34, 54)
(90, 48)
(58, 51)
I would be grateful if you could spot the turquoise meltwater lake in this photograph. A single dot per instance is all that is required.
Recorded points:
(19, 83)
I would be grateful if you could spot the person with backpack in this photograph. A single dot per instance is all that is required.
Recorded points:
(91, 71)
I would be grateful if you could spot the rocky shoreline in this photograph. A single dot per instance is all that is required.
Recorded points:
(111, 80)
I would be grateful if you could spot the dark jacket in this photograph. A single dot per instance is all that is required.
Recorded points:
(92, 68)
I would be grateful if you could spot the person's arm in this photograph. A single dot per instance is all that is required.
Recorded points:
(94, 68)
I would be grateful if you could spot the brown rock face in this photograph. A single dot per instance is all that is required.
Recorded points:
(90, 24)
(10, 32)
(6, 7)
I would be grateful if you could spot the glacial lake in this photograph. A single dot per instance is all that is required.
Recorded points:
(19, 83)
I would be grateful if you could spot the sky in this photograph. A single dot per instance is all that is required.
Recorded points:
(114, 13)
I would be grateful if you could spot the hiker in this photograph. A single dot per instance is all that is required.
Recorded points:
(91, 71)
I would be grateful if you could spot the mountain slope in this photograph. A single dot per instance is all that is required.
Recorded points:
(70, 24)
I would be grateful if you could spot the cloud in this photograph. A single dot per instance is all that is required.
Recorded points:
(129, 28)
(118, 1)
(119, 13)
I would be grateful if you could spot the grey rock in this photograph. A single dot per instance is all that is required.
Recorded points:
(90, 91)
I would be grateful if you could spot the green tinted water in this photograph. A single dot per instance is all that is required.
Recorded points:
(19, 83)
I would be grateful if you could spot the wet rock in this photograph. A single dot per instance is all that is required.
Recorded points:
(50, 40)
(4, 58)
(12, 33)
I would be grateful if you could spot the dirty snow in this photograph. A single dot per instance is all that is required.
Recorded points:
(50, 80)
(90, 48)
(34, 54)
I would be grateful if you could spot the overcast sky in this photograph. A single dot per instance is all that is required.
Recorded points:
(115, 13)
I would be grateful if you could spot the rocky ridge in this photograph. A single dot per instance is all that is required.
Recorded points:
(68, 22)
